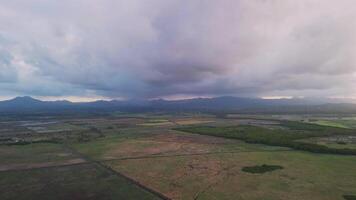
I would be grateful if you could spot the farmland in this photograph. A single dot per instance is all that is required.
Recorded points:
(177, 156)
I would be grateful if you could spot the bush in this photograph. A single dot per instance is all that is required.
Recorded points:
(260, 169)
(349, 197)
(341, 142)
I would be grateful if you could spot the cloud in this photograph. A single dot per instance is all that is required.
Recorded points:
(133, 48)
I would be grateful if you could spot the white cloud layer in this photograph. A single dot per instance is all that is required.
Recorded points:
(156, 48)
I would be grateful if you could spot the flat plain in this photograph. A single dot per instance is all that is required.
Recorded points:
(177, 156)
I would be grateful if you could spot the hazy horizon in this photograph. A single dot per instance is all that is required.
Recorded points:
(317, 100)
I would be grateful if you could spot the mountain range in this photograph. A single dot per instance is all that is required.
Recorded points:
(217, 104)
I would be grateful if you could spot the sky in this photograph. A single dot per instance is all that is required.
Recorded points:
(121, 49)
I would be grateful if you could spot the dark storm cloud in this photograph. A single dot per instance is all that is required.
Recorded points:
(134, 48)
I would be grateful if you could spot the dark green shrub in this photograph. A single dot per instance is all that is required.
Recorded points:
(349, 197)
(260, 169)
(341, 142)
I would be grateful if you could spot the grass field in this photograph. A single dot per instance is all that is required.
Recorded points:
(305, 176)
(165, 142)
(85, 181)
(120, 158)
(35, 155)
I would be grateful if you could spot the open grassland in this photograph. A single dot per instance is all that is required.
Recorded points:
(182, 156)
(163, 143)
(34, 156)
(304, 176)
(77, 182)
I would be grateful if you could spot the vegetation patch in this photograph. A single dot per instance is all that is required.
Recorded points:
(157, 120)
(295, 125)
(156, 124)
(350, 197)
(275, 137)
(261, 169)
(333, 123)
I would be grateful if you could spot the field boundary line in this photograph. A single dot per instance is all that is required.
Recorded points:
(114, 172)
(129, 158)
(46, 167)
(191, 154)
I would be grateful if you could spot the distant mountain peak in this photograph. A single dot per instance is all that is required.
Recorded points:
(24, 99)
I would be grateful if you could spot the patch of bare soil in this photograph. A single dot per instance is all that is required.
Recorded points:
(189, 179)
(149, 148)
(140, 148)
(166, 144)
(190, 138)
(192, 121)
(210, 171)
(119, 122)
